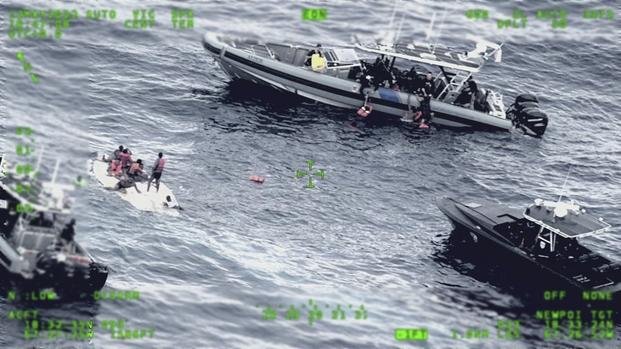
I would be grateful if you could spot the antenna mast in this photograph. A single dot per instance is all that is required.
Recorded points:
(564, 183)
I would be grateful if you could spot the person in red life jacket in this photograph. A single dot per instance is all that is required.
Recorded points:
(125, 158)
(115, 168)
(158, 168)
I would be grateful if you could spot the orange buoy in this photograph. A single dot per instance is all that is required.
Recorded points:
(257, 179)
(365, 110)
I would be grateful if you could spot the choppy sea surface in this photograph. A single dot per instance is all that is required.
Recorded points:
(369, 234)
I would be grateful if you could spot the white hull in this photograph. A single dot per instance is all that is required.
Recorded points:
(150, 201)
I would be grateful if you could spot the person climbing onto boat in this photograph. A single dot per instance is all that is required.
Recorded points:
(156, 174)
(124, 183)
(416, 113)
(366, 109)
(425, 109)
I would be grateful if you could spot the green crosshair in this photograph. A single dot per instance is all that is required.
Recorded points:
(302, 173)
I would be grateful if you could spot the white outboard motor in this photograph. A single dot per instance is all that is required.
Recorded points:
(527, 116)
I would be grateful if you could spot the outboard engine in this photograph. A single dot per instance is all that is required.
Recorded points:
(527, 116)
(57, 269)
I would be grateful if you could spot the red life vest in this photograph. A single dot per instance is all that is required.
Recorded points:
(364, 111)
(160, 165)
(257, 179)
(115, 166)
(134, 168)
(125, 158)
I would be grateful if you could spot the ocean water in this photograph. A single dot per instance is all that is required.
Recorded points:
(368, 235)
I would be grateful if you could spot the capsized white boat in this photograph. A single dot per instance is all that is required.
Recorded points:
(151, 201)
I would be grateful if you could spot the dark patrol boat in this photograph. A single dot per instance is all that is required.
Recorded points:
(545, 234)
(32, 252)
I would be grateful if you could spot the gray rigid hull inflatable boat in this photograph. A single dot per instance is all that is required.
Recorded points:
(453, 103)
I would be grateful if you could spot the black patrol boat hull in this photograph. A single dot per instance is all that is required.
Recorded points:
(491, 225)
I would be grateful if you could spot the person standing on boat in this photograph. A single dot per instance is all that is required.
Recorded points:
(310, 54)
(158, 168)
(68, 232)
(427, 85)
(410, 78)
(473, 90)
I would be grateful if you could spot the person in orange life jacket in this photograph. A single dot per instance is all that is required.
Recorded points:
(115, 168)
(158, 168)
(135, 169)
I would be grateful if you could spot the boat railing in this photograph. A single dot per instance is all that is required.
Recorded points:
(341, 71)
(454, 86)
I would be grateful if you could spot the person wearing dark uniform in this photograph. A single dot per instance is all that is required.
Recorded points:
(68, 233)
(428, 86)
(410, 78)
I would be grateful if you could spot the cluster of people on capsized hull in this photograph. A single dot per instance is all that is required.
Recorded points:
(129, 172)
